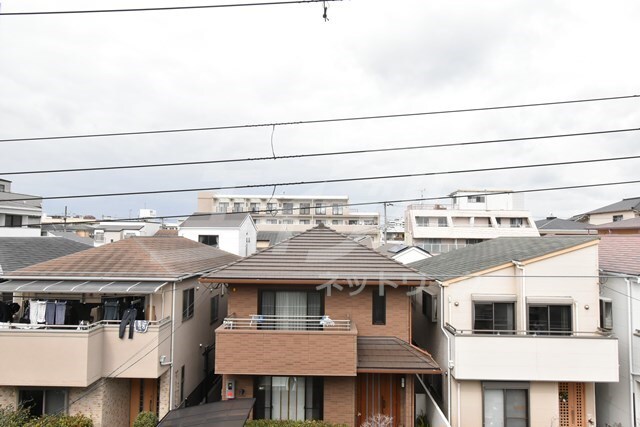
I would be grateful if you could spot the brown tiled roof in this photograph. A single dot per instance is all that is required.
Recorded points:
(138, 257)
(393, 355)
(317, 256)
(620, 253)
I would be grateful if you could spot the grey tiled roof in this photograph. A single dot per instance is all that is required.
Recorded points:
(318, 255)
(623, 205)
(493, 253)
(631, 223)
(20, 252)
(560, 224)
(73, 236)
(203, 220)
(5, 200)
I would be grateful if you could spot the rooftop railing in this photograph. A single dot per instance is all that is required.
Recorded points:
(287, 323)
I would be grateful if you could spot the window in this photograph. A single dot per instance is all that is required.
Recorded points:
(271, 207)
(2, 187)
(430, 306)
(516, 222)
(473, 241)
(215, 305)
(44, 401)
(188, 302)
(272, 221)
(209, 240)
(336, 209)
(320, 209)
(606, 314)
(305, 208)
(353, 222)
(320, 221)
(223, 207)
(442, 222)
(369, 222)
(336, 222)
(617, 218)
(254, 207)
(287, 208)
(99, 236)
(256, 221)
(493, 316)
(286, 221)
(291, 307)
(550, 319)
(289, 398)
(475, 199)
(13, 221)
(238, 207)
(379, 306)
(505, 404)
(422, 221)
(305, 221)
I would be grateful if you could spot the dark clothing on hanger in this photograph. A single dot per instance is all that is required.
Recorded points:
(128, 318)
(50, 313)
(111, 310)
(61, 312)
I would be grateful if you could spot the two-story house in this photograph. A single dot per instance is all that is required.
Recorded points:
(235, 232)
(319, 327)
(618, 402)
(111, 331)
(515, 321)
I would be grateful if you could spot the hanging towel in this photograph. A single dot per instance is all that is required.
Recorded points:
(141, 326)
(61, 313)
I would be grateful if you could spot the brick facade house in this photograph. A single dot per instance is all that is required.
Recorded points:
(319, 327)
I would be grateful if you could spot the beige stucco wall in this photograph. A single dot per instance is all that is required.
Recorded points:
(8, 397)
(544, 408)
(603, 218)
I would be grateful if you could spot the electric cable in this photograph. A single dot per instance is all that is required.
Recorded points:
(324, 181)
(318, 154)
(319, 121)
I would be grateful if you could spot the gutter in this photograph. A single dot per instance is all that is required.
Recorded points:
(523, 303)
(97, 278)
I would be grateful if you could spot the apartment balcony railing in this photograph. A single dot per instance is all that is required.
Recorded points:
(78, 355)
(288, 323)
(286, 345)
(441, 248)
(534, 355)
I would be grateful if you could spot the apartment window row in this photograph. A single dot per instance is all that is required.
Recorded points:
(476, 199)
(286, 208)
(512, 222)
(425, 221)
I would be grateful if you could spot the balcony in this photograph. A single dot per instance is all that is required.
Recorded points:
(530, 356)
(286, 345)
(76, 356)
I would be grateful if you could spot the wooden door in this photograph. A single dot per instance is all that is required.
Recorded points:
(379, 394)
(572, 404)
(144, 397)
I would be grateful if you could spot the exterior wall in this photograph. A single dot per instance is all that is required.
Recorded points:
(230, 239)
(544, 407)
(192, 335)
(18, 231)
(603, 218)
(163, 395)
(619, 231)
(116, 401)
(88, 401)
(615, 400)
(8, 397)
(340, 400)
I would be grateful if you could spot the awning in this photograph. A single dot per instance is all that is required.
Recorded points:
(228, 413)
(393, 355)
(81, 287)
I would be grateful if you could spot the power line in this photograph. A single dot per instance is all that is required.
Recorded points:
(157, 9)
(323, 181)
(318, 121)
(320, 154)
(379, 202)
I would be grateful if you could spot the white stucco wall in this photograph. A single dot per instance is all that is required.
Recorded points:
(230, 239)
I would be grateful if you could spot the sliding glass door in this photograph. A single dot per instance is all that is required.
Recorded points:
(290, 309)
(289, 398)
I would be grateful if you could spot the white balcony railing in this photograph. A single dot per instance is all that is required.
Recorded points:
(287, 323)
(69, 328)
(529, 333)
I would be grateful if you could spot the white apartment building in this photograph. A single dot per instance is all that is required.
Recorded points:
(468, 218)
(516, 323)
(18, 218)
(295, 213)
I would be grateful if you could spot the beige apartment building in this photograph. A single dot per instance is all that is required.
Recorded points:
(468, 217)
(618, 211)
(319, 327)
(112, 331)
(282, 213)
(516, 324)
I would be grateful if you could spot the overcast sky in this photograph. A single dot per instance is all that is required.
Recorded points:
(116, 72)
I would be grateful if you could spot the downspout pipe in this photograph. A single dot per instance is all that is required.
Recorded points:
(449, 361)
(173, 334)
(523, 299)
(630, 348)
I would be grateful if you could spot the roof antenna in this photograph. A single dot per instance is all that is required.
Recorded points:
(324, 15)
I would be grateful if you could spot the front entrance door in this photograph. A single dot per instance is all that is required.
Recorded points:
(144, 397)
(379, 394)
(572, 404)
